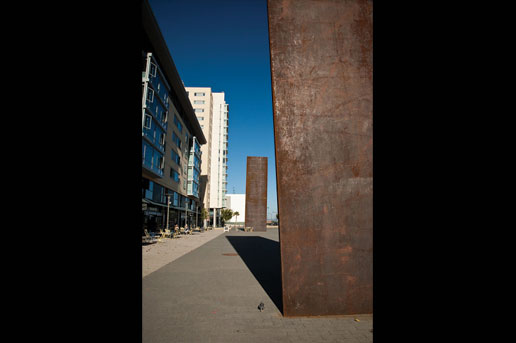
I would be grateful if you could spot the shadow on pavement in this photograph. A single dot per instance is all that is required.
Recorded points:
(262, 257)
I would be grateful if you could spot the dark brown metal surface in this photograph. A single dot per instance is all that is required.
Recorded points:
(256, 193)
(321, 67)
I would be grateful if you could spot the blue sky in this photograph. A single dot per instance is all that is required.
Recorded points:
(224, 45)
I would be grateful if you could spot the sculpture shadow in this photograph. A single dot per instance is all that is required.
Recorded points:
(262, 257)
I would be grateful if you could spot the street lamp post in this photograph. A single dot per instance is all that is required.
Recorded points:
(186, 214)
(168, 209)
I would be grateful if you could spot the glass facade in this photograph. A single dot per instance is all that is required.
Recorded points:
(157, 193)
(155, 135)
(155, 105)
(165, 126)
(152, 159)
(194, 169)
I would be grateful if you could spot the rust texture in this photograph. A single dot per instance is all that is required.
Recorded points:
(321, 71)
(256, 193)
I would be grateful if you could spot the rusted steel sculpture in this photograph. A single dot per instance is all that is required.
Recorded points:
(256, 193)
(321, 67)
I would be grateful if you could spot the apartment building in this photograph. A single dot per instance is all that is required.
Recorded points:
(171, 137)
(211, 110)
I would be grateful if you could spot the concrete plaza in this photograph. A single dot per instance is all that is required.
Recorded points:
(211, 294)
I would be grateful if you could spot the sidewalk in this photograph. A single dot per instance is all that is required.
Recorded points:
(155, 256)
(211, 294)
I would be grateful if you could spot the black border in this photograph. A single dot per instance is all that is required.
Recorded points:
(90, 190)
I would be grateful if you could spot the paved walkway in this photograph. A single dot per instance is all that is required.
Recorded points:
(156, 255)
(211, 294)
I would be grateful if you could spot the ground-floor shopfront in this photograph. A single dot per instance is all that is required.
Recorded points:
(181, 209)
(215, 219)
(152, 216)
(155, 216)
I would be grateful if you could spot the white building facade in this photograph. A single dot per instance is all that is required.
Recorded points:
(211, 110)
(236, 202)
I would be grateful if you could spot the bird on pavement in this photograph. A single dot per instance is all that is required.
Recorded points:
(261, 306)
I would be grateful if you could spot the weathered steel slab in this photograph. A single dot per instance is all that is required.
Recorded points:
(321, 67)
(256, 193)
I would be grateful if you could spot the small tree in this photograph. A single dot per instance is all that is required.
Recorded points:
(204, 214)
(236, 214)
(226, 214)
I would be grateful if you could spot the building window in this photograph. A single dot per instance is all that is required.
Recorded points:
(202, 126)
(199, 94)
(200, 118)
(174, 175)
(150, 95)
(176, 140)
(199, 110)
(152, 69)
(147, 121)
(199, 102)
(176, 200)
(176, 158)
(178, 124)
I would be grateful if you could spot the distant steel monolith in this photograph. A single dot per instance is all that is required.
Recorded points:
(256, 193)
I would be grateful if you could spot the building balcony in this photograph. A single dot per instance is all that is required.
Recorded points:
(156, 172)
(161, 123)
(158, 95)
(193, 194)
(154, 142)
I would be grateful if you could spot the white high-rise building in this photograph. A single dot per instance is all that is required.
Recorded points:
(211, 110)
